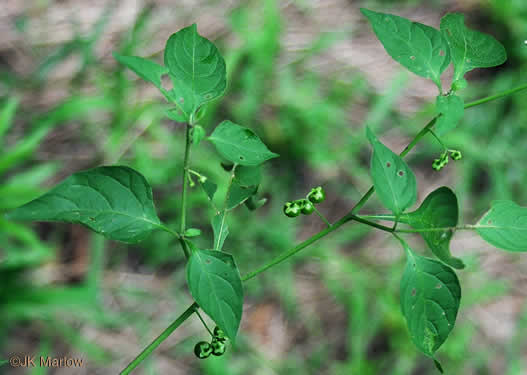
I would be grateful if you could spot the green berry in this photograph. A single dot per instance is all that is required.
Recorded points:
(307, 207)
(316, 195)
(203, 349)
(456, 155)
(292, 209)
(219, 334)
(218, 347)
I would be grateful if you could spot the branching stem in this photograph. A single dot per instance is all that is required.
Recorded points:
(288, 253)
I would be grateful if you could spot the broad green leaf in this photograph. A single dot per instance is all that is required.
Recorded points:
(419, 48)
(451, 108)
(430, 297)
(247, 176)
(146, 69)
(470, 49)
(393, 180)
(214, 282)
(504, 226)
(239, 194)
(198, 133)
(438, 210)
(196, 67)
(240, 145)
(209, 188)
(220, 229)
(114, 201)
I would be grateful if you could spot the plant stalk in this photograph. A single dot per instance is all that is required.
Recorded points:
(280, 258)
(186, 161)
(159, 339)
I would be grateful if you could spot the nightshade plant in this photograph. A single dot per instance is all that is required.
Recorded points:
(117, 201)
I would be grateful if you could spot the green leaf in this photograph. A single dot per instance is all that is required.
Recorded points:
(239, 144)
(239, 194)
(419, 48)
(196, 67)
(451, 108)
(252, 203)
(247, 176)
(146, 69)
(430, 298)
(198, 133)
(220, 229)
(438, 210)
(114, 201)
(214, 282)
(470, 49)
(209, 188)
(393, 180)
(192, 232)
(504, 226)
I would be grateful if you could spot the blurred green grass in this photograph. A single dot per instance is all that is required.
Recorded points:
(334, 306)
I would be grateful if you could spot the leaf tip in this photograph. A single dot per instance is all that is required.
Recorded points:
(438, 366)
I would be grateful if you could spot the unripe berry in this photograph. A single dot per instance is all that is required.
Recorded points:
(307, 207)
(218, 347)
(203, 349)
(316, 195)
(456, 155)
(292, 209)
(219, 334)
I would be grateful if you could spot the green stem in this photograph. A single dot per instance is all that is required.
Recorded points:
(438, 139)
(186, 161)
(203, 321)
(322, 216)
(348, 217)
(280, 258)
(351, 215)
(496, 96)
(162, 337)
(424, 230)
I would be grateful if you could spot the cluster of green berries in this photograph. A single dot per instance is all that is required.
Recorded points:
(305, 206)
(204, 349)
(443, 159)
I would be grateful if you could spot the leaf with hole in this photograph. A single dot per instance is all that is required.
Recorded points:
(438, 210)
(215, 284)
(239, 144)
(470, 49)
(393, 180)
(420, 48)
(430, 298)
(115, 201)
(504, 226)
(197, 69)
(451, 108)
(220, 229)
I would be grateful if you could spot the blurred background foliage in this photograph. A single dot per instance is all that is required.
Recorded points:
(306, 76)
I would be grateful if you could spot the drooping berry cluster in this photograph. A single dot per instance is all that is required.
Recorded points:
(305, 206)
(443, 159)
(216, 347)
